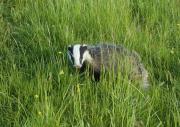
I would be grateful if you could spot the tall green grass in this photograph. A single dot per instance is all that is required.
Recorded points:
(39, 88)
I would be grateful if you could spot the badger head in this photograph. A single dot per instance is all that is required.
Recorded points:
(78, 54)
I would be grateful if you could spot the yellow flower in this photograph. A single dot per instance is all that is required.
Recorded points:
(61, 72)
(36, 96)
(60, 52)
(39, 113)
(172, 51)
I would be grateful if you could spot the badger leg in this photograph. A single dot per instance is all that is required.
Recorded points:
(83, 68)
(145, 79)
(96, 75)
(144, 76)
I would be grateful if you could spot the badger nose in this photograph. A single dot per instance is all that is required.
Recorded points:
(77, 66)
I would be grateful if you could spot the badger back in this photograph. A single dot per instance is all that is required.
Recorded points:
(112, 57)
(104, 55)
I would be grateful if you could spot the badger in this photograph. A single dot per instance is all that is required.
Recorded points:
(109, 57)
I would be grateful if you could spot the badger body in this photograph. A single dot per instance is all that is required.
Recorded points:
(111, 58)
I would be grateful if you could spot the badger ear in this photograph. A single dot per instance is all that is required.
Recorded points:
(85, 47)
(70, 48)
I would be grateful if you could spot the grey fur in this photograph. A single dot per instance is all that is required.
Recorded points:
(117, 58)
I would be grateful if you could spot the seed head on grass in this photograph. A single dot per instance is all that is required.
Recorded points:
(78, 88)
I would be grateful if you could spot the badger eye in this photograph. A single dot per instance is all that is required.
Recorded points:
(71, 54)
(71, 58)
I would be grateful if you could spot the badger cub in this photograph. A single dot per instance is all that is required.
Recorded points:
(111, 58)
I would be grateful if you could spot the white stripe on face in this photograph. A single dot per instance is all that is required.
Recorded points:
(76, 53)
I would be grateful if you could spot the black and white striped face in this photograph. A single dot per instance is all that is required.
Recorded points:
(76, 54)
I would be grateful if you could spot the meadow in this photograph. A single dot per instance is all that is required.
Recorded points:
(38, 88)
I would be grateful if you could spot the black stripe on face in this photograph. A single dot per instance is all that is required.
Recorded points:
(70, 52)
(82, 50)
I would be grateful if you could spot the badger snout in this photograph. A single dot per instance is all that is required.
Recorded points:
(78, 66)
